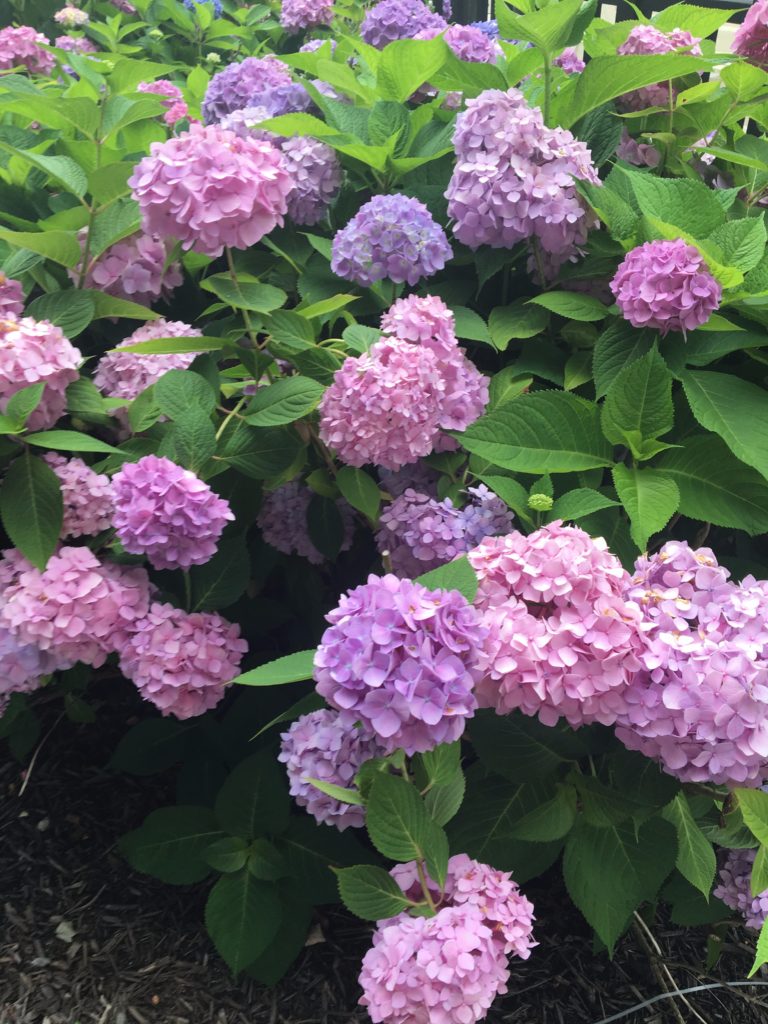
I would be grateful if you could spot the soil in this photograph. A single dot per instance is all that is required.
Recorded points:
(85, 940)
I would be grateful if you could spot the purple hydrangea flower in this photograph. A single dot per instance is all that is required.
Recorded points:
(751, 39)
(649, 40)
(402, 660)
(87, 497)
(488, 28)
(417, 476)
(389, 20)
(316, 175)
(242, 85)
(641, 154)
(291, 98)
(666, 285)
(735, 888)
(320, 746)
(468, 43)
(296, 15)
(314, 44)
(391, 237)
(569, 61)
(167, 513)
(283, 521)
(75, 44)
(11, 296)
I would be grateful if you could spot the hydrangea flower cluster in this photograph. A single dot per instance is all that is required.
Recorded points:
(467, 42)
(11, 296)
(75, 44)
(392, 237)
(647, 39)
(390, 405)
(20, 48)
(751, 39)
(181, 661)
(191, 5)
(420, 533)
(173, 100)
(87, 496)
(296, 15)
(563, 638)
(666, 285)
(283, 521)
(321, 746)
(569, 61)
(71, 17)
(698, 702)
(133, 269)
(513, 178)
(210, 189)
(489, 28)
(402, 660)
(167, 513)
(444, 968)
(22, 666)
(32, 351)
(316, 177)
(389, 20)
(241, 85)
(734, 888)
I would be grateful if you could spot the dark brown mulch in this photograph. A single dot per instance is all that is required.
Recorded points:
(84, 940)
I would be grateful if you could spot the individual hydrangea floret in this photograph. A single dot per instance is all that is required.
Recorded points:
(445, 968)
(646, 39)
(666, 285)
(11, 296)
(469, 883)
(296, 15)
(20, 48)
(420, 533)
(563, 639)
(699, 702)
(87, 497)
(316, 175)
(402, 660)
(77, 608)
(514, 179)
(135, 268)
(570, 61)
(283, 521)
(241, 85)
(391, 237)
(34, 351)
(320, 746)
(173, 100)
(209, 189)
(389, 20)
(71, 17)
(167, 513)
(751, 39)
(735, 888)
(181, 661)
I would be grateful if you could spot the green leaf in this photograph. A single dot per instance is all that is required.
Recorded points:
(70, 441)
(398, 822)
(444, 799)
(293, 668)
(171, 844)
(519, 320)
(572, 305)
(617, 346)
(759, 878)
(442, 763)
(288, 942)
(370, 892)
(179, 390)
(325, 526)
(470, 326)
(31, 508)
(285, 401)
(242, 916)
(265, 861)
(650, 498)
(753, 804)
(551, 820)
(259, 453)
(547, 432)
(512, 493)
(550, 29)
(735, 409)
(340, 793)
(254, 798)
(506, 385)
(247, 293)
(109, 306)
(325, 307)
(221, 581)
(61, 169)
(311, 852)
(582, 501)
(22, 404)
(70, 310)
(190, 440)
(522, 749)
(360, 490)
(683, 202)
(406, 64)
(456, 575)
(638, 405)
(695, 857)
(612, 210)
(609, 872)
(309, 702)
(60, 246)
(761, 952)
(743, 81)
(152, 745)
(227, 854)
(742, 242)
(603, 806)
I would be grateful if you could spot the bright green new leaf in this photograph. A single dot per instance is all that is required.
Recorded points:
(456, 575)
(406, 64)
(639, 402)
(293, 668)
(650, 498)
(572, 305)
(360, 490)
(753, 804)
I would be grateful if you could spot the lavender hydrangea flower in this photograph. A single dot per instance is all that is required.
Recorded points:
(320, 746)
(11, 296)
(316, 176)
(402, 660)
(391, 237)
(569, 61)
(489, 28)
(312, 45)
(242, 85)
(389, 20)
(167, 513)
(283, 521)
(751, 39)
(33, 352)
(296, 15)
(641, 154)
(86, 495)
(75, 44)
(666, 285)
(135, 268)
(468, 43)
(513, 178)
(735, 888)
(648, 39)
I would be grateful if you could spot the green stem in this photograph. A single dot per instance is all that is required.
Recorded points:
(424, 886)
(230, 414)
(243, 312)
(92, 209)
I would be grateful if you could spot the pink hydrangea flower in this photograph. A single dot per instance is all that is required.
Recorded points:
(167, 513)
(32, 351)
(182, 661)
(71, 17)
(209, 189)
(87, 497)
(20, 48)
(283, 521)
(175, 107)
(444, 969)
(751, 39)
(296, 15)
(11, 296)
(666, 285)
(320, 746)
(467, 42)
(647, 39)
(75, 44)
(563, 639)
(22, 665)
(134, 269)
(569, 61)
(77, 608)
(735, 888)
(402, 660)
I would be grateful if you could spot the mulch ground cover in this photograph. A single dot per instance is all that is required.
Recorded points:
(85, 940)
